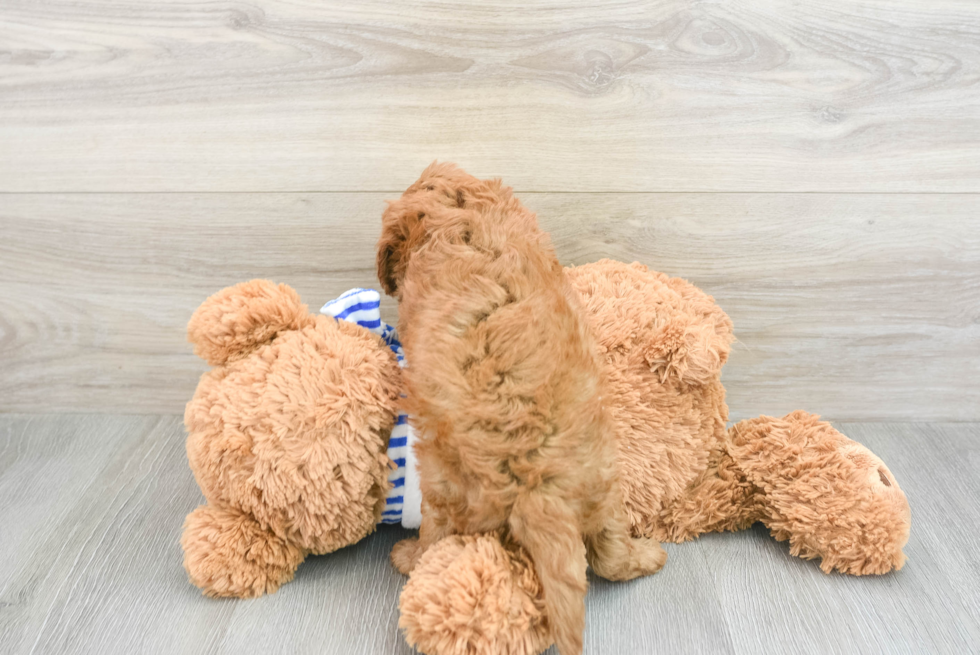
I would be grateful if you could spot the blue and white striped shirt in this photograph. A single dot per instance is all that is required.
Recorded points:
(404, 501)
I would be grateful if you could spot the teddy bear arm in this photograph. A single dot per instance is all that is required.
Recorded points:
(228, 554)
(720, 499)
(700, 334)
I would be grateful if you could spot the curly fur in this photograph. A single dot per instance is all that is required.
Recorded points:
(505, 390)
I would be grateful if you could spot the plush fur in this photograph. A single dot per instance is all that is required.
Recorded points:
(473, 594)
(663, 343)
(287, 437)
(504, 389)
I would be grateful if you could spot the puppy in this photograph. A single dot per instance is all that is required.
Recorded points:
(505, 392)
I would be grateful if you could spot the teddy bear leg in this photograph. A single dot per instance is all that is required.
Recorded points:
(227, 553)
(472, 595)
(720, 499)
(830, 497)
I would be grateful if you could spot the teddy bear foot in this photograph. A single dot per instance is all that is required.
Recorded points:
(227, 553)
(471, 595)
(830, 497)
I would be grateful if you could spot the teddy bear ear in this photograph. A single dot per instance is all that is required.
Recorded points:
(693, 343)
(237, 320)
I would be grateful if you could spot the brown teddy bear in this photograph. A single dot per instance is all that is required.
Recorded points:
(288, 437)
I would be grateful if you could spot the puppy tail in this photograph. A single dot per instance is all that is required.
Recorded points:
(550, 533)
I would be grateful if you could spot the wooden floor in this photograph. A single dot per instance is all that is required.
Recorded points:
(91, 509)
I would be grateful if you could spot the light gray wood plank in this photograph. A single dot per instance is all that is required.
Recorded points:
(344, 603)
(944, 493)
(101, 501)
(99, 288)
(862, 307)
(777, 603)
(44, 469)
(92, 561)
(854, 306)
(117, 584)
(677, 610)
(91, 564)
(121, 95)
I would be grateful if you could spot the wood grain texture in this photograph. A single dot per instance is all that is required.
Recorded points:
(852, 306)
(91, 510)
(855, 95)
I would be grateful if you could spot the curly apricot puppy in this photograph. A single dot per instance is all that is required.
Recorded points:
(505, 391)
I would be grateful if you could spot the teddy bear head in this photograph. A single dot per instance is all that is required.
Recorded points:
(290, 426)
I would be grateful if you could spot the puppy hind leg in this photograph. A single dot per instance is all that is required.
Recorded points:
(614, 555)
(406, 553)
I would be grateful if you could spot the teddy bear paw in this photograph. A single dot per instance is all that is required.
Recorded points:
(227, 553)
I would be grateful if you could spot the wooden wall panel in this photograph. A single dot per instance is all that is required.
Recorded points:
(855, 95)
(855, 306)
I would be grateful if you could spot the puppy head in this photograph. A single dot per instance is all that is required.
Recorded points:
(432, 203)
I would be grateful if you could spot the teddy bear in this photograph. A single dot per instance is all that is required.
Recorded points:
(287, 436)
(297, 442)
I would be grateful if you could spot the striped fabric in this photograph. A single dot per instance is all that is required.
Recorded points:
(403, 504)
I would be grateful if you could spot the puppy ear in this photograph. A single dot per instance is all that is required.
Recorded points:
(401, 231)
(388, 257)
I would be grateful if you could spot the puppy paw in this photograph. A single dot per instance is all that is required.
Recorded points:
(405, 555)
(649, 556)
